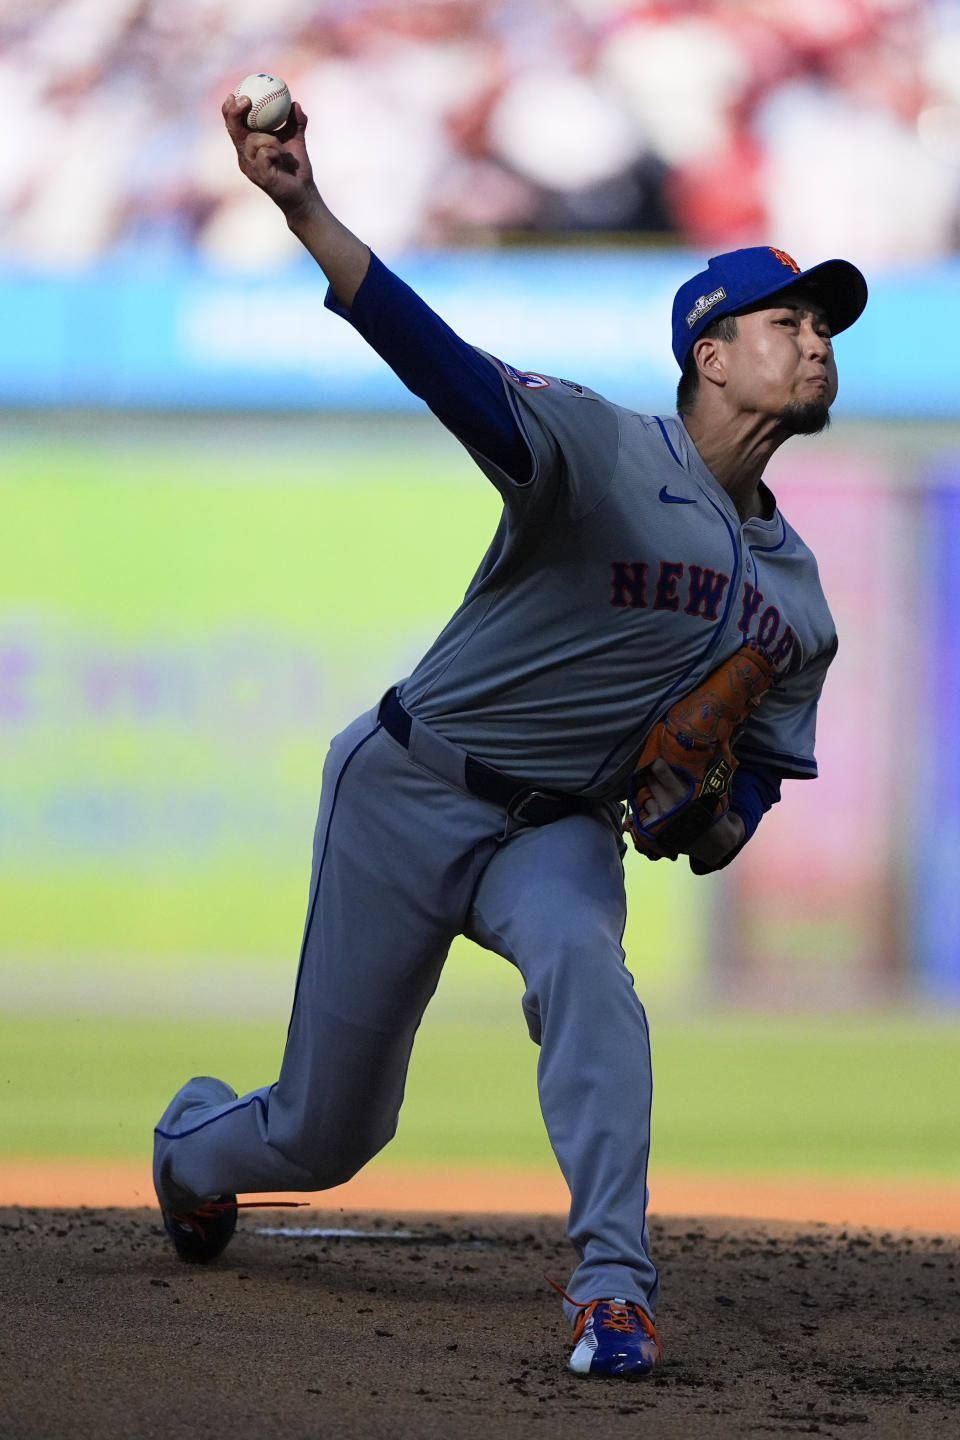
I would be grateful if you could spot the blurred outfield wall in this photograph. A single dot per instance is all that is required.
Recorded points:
(190, 605)
(192, 337)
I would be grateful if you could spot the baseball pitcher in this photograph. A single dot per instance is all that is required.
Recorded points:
(640, 651)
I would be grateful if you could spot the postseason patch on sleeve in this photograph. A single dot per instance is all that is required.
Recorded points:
(529, 379)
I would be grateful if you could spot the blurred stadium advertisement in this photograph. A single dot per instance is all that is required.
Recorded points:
(934, 830)
(190, 606)
(190, 338)
(818, 907)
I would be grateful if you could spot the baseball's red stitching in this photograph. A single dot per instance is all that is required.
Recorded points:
(264, 100)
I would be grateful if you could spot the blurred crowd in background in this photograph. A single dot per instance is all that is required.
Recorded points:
(826, 126)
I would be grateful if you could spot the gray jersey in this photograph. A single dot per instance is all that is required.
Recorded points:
(619, 577)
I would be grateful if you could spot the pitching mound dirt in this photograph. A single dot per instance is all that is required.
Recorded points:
(426, 1326)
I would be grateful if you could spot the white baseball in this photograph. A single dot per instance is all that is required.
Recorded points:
(271, 101)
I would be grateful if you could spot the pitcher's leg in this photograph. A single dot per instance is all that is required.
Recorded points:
(387, 894)
(211, 1142)
(552, 902)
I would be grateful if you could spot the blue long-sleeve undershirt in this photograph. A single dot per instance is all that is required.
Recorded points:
(462, 389)
(753, 789)
(466, 394)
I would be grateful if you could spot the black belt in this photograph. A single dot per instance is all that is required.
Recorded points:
(522, 802)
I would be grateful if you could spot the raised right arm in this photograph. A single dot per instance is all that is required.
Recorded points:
(280, 166)
(463, 390)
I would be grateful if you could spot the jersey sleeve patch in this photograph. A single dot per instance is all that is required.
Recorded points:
(528, 379)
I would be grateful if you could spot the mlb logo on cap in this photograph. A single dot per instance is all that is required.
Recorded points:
(740, 278)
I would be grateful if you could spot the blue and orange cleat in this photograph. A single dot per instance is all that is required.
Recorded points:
(614, 1338)
(202, 1234)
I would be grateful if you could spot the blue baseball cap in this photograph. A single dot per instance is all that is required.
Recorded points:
(740, 278)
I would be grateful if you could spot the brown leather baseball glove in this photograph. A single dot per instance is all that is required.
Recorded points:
(694, 738)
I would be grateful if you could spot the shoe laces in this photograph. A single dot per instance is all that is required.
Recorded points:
(213, 1209)
(624, 1316)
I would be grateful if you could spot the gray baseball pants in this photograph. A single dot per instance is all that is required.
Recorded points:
(404, 860)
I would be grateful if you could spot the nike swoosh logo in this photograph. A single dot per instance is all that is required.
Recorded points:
(669, 499)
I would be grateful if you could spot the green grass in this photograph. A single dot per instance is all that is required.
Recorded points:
(732, 1094)
(165, 548)
(156, 535)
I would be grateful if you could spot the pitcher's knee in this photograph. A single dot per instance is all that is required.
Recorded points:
(331, 1159)
(578, 960)
(589, 980)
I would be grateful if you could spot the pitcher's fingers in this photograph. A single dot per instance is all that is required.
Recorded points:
(294, 125)
(234, 113)
(262, 157)
(663, 772)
